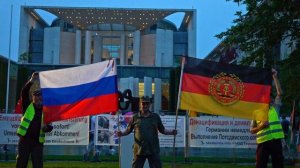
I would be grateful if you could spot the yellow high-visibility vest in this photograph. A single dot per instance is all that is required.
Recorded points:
(274, 131)
(26, 120)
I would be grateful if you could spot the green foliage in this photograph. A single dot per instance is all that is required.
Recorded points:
(174, 86)
(290, 80)
(260, 30)
(3, 79)
(263, 27)
(23, 76)
(24, 57)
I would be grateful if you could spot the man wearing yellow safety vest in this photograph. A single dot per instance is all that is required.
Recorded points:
(32, 129)
(269, 133)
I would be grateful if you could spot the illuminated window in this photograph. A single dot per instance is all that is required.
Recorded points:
(111, 48)
(142, 89)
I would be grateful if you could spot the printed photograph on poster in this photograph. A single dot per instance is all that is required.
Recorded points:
(107, 136)
(103, 122)
(103, 136)
(107, 126)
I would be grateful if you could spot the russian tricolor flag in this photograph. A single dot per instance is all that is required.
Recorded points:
(79, 91)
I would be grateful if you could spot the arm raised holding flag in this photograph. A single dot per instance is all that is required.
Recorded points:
(269, 133)
(32, 128)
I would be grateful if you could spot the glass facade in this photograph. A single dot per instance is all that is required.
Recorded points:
(165, 96)
(63, 25)
(36, 45)
(111, 46)
(130, 49)
(180, 46)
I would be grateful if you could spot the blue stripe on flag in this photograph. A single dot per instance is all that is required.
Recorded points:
(72, 94)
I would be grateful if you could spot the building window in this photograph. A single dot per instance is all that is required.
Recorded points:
(130, 50)
(111, 48)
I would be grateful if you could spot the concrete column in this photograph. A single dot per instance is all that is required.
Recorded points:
(126, 150)
(192, 35)
(164, 48)
(136, 47)
(130, 83)
(52, 43)
(97, 48)
(78, 47)
(87, 52)
(126, 49)
(123, 84)
(134, 86)
(122, 49)
(157, 95)
(159, 47)
(147, 86)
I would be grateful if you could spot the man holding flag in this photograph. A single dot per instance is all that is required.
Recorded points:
(236, 91)
(225, 89)
(269, 133)
(146, 143)
(32, 128)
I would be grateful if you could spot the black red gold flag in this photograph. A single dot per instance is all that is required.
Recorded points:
(225, 89)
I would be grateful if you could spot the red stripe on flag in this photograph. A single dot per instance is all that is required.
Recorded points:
(91, 106)
(199, 85)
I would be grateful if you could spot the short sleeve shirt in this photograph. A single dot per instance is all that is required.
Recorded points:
(146, 133)
(276, 105)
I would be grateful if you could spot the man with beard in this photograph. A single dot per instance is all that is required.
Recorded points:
(146, 125)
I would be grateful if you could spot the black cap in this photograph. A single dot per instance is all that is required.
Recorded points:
(37, 92)
(145, 99)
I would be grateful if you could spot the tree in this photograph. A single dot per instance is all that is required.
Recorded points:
(263, 27)
(289, 77)
(24, 57)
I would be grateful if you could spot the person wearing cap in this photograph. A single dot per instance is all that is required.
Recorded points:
(32, 129)
(146, 143)
(269, 133)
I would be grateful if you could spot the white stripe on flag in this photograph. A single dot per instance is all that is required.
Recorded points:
(77, 75)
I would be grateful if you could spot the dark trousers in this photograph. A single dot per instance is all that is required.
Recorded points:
(28, 148)
(153, 160)
(271, 148)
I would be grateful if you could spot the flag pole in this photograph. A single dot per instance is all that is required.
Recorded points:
(95, 137)
(177, 107)
(119, 140)
(8, 62)
(292, 120)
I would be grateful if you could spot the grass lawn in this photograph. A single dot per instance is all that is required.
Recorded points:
(79, 164)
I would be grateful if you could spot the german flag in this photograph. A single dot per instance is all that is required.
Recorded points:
(225, 89)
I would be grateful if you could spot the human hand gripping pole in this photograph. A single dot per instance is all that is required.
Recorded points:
(119, 139)
(47, 128)
(171, 132)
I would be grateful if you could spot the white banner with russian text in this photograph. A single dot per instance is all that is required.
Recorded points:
(220, 132)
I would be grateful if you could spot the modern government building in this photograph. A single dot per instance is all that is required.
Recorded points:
(146, 45)
(145, 42)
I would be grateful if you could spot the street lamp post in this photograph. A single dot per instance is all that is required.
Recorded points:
(8, 63)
